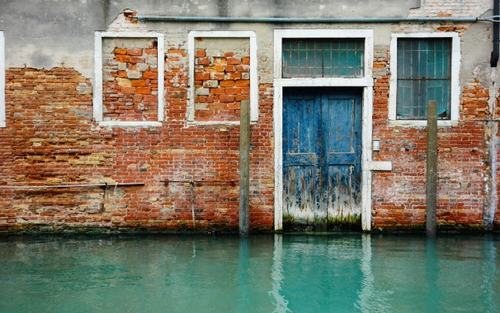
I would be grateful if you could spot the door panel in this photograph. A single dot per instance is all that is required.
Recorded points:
(321, 157)
(301, 142)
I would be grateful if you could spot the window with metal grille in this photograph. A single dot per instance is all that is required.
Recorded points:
(323, 57)
(423, 74)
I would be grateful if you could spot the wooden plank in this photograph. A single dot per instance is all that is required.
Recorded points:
(244, 166)
(431, 173)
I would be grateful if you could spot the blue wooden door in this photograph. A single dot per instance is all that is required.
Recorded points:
(321, 157)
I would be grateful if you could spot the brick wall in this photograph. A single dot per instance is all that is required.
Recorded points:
(51, 139)
(399, 195)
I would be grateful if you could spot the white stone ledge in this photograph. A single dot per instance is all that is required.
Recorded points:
(421, 123)
(380, 165)
(129, 124)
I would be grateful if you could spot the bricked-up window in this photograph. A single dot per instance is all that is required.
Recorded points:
(222, 73)
(423, 74)
(323, 57)
(129, 79)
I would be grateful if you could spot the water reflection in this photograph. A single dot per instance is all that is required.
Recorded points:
(279, 301)
(385, 274)
(358, 273)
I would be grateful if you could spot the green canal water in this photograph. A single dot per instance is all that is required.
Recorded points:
(357, 273)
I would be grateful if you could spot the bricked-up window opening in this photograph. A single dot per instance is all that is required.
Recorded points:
(130, 79)
(424, 73)
(222, 73)
(221, 77)
(323, 57)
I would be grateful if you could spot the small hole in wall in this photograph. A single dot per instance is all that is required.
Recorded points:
(154, 44)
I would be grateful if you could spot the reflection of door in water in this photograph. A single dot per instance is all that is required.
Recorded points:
(321, 158)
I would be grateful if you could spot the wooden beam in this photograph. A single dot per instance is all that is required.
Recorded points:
(431, 173)
(244, 165)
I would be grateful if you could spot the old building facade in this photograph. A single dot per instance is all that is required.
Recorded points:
(124, 115)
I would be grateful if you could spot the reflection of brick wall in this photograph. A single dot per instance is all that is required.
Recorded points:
(130, 90)
(221, 82)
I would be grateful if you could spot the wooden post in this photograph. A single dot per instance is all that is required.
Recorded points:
(244, 165)
(431, 173)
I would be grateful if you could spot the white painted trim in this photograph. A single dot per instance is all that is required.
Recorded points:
(129, 124)
(327, 82)
(130, 34)
(278, 153)
(97, 103)
(254, 82)
(98, 97)
(366, 82)
(455, 81)
(366, 158)
(3, 119)
(161, 77)
(421, 123)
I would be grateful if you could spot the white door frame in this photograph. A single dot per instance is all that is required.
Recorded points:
(365, 82)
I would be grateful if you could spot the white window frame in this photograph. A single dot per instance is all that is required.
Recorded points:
(98, 88)
(455, 82)
(254, 83)
(365, 82)
(3, 121)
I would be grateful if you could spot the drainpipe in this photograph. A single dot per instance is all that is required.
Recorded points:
(496, 33)
(237, 19)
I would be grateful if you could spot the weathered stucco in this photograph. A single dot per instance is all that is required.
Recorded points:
(44, 34)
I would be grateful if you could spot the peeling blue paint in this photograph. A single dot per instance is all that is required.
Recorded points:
(321, 155)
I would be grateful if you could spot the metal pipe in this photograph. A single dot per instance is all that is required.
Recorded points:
(23, 187)
(201, 182)
(496, 34)
(238, 19)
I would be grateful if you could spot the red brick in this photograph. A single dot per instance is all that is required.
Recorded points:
(150, 75)
(134, 52)
(152, 51)
(227, 83)
(120, 51)
(242, 83)
(200, 53)
(233, 61)
(226, 98)
(143, 90)
(203, 61)
(138, 82)
(127, 90)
